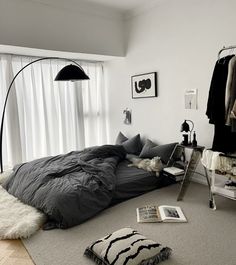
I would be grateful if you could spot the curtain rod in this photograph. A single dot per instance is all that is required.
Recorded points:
(226, 48)
(63, 58)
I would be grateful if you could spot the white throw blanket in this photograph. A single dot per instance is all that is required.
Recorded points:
(213, 161)
(5, 175)
(17, 220)
(210, 159)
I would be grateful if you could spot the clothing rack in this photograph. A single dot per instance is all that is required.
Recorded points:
(229, 156)
(226, 48)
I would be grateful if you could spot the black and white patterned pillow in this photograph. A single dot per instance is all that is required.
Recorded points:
(126, 247)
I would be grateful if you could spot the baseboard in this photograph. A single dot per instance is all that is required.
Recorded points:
(202, 180)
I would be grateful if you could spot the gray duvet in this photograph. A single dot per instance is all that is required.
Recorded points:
(68, 188)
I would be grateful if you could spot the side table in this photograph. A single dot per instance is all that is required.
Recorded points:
(190, 167)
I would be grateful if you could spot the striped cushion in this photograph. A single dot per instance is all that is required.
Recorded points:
(126, 247)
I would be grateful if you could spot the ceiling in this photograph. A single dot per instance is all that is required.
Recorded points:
(109, 7)
(122, 5)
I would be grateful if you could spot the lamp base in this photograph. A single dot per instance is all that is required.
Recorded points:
(185, 140)
(185, 144)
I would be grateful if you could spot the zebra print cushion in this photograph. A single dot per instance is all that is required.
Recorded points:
(126, 247)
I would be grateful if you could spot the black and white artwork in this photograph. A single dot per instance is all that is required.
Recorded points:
(144, 85)
(191, 99)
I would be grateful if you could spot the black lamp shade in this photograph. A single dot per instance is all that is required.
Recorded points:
(71, 73)
(185, 127)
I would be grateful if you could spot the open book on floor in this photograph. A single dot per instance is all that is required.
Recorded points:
(163, 213)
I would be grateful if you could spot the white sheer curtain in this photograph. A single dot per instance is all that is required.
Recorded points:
(45, 117)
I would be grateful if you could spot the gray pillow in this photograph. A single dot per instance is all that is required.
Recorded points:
(132, 145)
(151, 150)
(121, 138)
(126, 246)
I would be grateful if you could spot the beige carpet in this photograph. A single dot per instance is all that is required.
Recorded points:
(209, 237)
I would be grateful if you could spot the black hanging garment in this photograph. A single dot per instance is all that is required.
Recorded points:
(224, 140)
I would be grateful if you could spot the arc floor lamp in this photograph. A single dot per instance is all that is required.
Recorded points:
(71, 72)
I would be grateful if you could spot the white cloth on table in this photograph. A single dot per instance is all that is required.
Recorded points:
(214, 161)
(210, 159)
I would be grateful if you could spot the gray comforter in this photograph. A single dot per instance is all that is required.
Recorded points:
(68, 188)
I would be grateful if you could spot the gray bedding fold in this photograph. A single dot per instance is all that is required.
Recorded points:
(69, 188)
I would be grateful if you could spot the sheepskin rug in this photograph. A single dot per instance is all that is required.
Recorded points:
(17, 220)
(5, 175)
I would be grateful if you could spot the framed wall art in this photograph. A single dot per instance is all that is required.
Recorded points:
(144, 85)
(190, 99)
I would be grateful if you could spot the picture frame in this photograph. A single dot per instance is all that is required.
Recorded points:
(190, 99)
(144, 85)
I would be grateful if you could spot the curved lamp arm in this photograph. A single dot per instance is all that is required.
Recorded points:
(9, 89)
(192, 125)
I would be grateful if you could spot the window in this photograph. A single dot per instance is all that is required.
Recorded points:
(44, 117)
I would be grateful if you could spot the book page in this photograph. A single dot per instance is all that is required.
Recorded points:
(171, 214)
(148, 213)
(174, 171)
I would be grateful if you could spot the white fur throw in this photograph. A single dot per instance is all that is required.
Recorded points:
(17, 220)
(4, 176)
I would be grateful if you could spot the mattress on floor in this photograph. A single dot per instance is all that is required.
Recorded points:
(132, 182)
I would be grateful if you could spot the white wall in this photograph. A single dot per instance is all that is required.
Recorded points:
(73, 26)
(180, 40)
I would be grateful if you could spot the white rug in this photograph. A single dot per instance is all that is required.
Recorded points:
(17, 220)
(4, 176)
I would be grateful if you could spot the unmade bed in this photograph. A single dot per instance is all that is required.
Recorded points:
(72, 188)
(133, 181)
